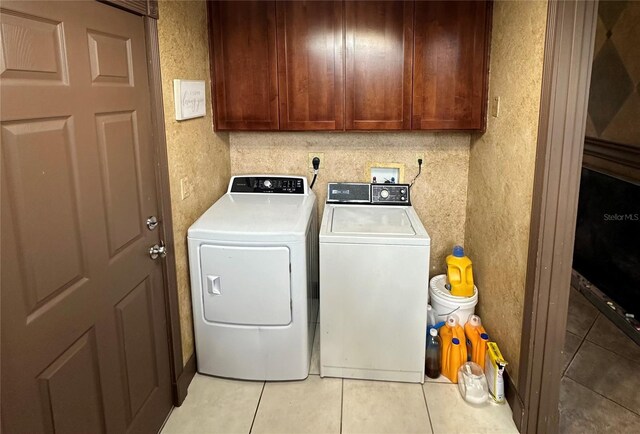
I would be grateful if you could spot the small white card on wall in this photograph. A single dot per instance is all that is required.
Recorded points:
(189, 96)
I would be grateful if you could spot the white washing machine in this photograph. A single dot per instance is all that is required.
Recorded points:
(374, 281)
(254, 279)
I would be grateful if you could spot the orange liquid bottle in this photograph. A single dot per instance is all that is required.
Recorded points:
(460, 273)
(454, 349)
(478, 337)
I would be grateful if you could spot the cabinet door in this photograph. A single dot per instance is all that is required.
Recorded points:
(379, 43)
(450, 64)
(244, 61)
(310, 65)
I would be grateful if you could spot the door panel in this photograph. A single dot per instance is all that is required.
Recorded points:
(110, 59)
(243, 36)
(135, 326)
(450, 69)
(118, 147)
(83, 309)
(72, 383)
(39, 166)
(310, 65)
(379, 43)
(246, 285)
(45, 60)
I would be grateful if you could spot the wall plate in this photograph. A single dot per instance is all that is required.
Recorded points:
(385, 172)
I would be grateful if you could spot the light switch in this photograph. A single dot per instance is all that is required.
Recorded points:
(185, 188)
(495, 106)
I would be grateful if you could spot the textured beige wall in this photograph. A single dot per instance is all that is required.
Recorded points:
(194, 149)
(439, 195)
(501, 173)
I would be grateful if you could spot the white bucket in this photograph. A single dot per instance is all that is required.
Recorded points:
(446, 304)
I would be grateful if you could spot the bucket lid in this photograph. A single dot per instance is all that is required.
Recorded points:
(438, 291)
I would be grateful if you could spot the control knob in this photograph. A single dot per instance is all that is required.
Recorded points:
(267, 183)
(384, 193)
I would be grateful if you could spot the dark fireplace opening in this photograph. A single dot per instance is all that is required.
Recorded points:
(607, 244)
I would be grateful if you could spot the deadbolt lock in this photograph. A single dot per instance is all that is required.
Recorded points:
(152, 222)
(156, 250)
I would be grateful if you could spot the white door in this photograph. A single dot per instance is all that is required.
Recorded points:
(246, 285)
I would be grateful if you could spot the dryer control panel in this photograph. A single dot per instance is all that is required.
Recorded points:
(268, 184)
(397, 194)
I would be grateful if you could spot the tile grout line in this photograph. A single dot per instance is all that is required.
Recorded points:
(257, 406)
(613, 352)
(603, 396)
(598, 315)
(595, 320)
(341, 402)
(564, 372)
(583, 339)
(426, 404)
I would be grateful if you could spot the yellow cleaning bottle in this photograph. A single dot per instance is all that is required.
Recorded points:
(478, 337)
(460, 273)
(454, 349)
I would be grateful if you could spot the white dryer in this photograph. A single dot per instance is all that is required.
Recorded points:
(374, 280)
(254, 279)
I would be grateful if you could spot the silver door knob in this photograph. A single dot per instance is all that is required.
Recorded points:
(158, 251)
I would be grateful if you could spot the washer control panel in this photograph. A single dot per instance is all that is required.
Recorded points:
(348, 192)
(268, 184)
(390, 193)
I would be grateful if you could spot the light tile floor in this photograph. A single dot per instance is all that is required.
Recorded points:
(332, 405)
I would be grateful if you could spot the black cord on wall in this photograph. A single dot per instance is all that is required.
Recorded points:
(316, 166)
(419, 172)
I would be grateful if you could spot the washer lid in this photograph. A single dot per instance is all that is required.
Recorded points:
(372, 224)
(371, 221)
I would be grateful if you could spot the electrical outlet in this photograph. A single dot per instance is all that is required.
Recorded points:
(185, 187)
(495, 106)
(312, 155)
(419, 156)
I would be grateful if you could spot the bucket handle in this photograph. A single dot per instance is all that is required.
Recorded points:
(447, 314)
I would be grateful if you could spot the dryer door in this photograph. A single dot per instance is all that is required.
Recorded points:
(246, 285)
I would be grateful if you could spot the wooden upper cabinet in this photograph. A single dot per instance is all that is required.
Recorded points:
(245, 81)
(310, 65)
(379, 45)
(450, 64)
(354, 65)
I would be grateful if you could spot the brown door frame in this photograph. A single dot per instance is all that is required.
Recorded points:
(181, 373)
(571, 28)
